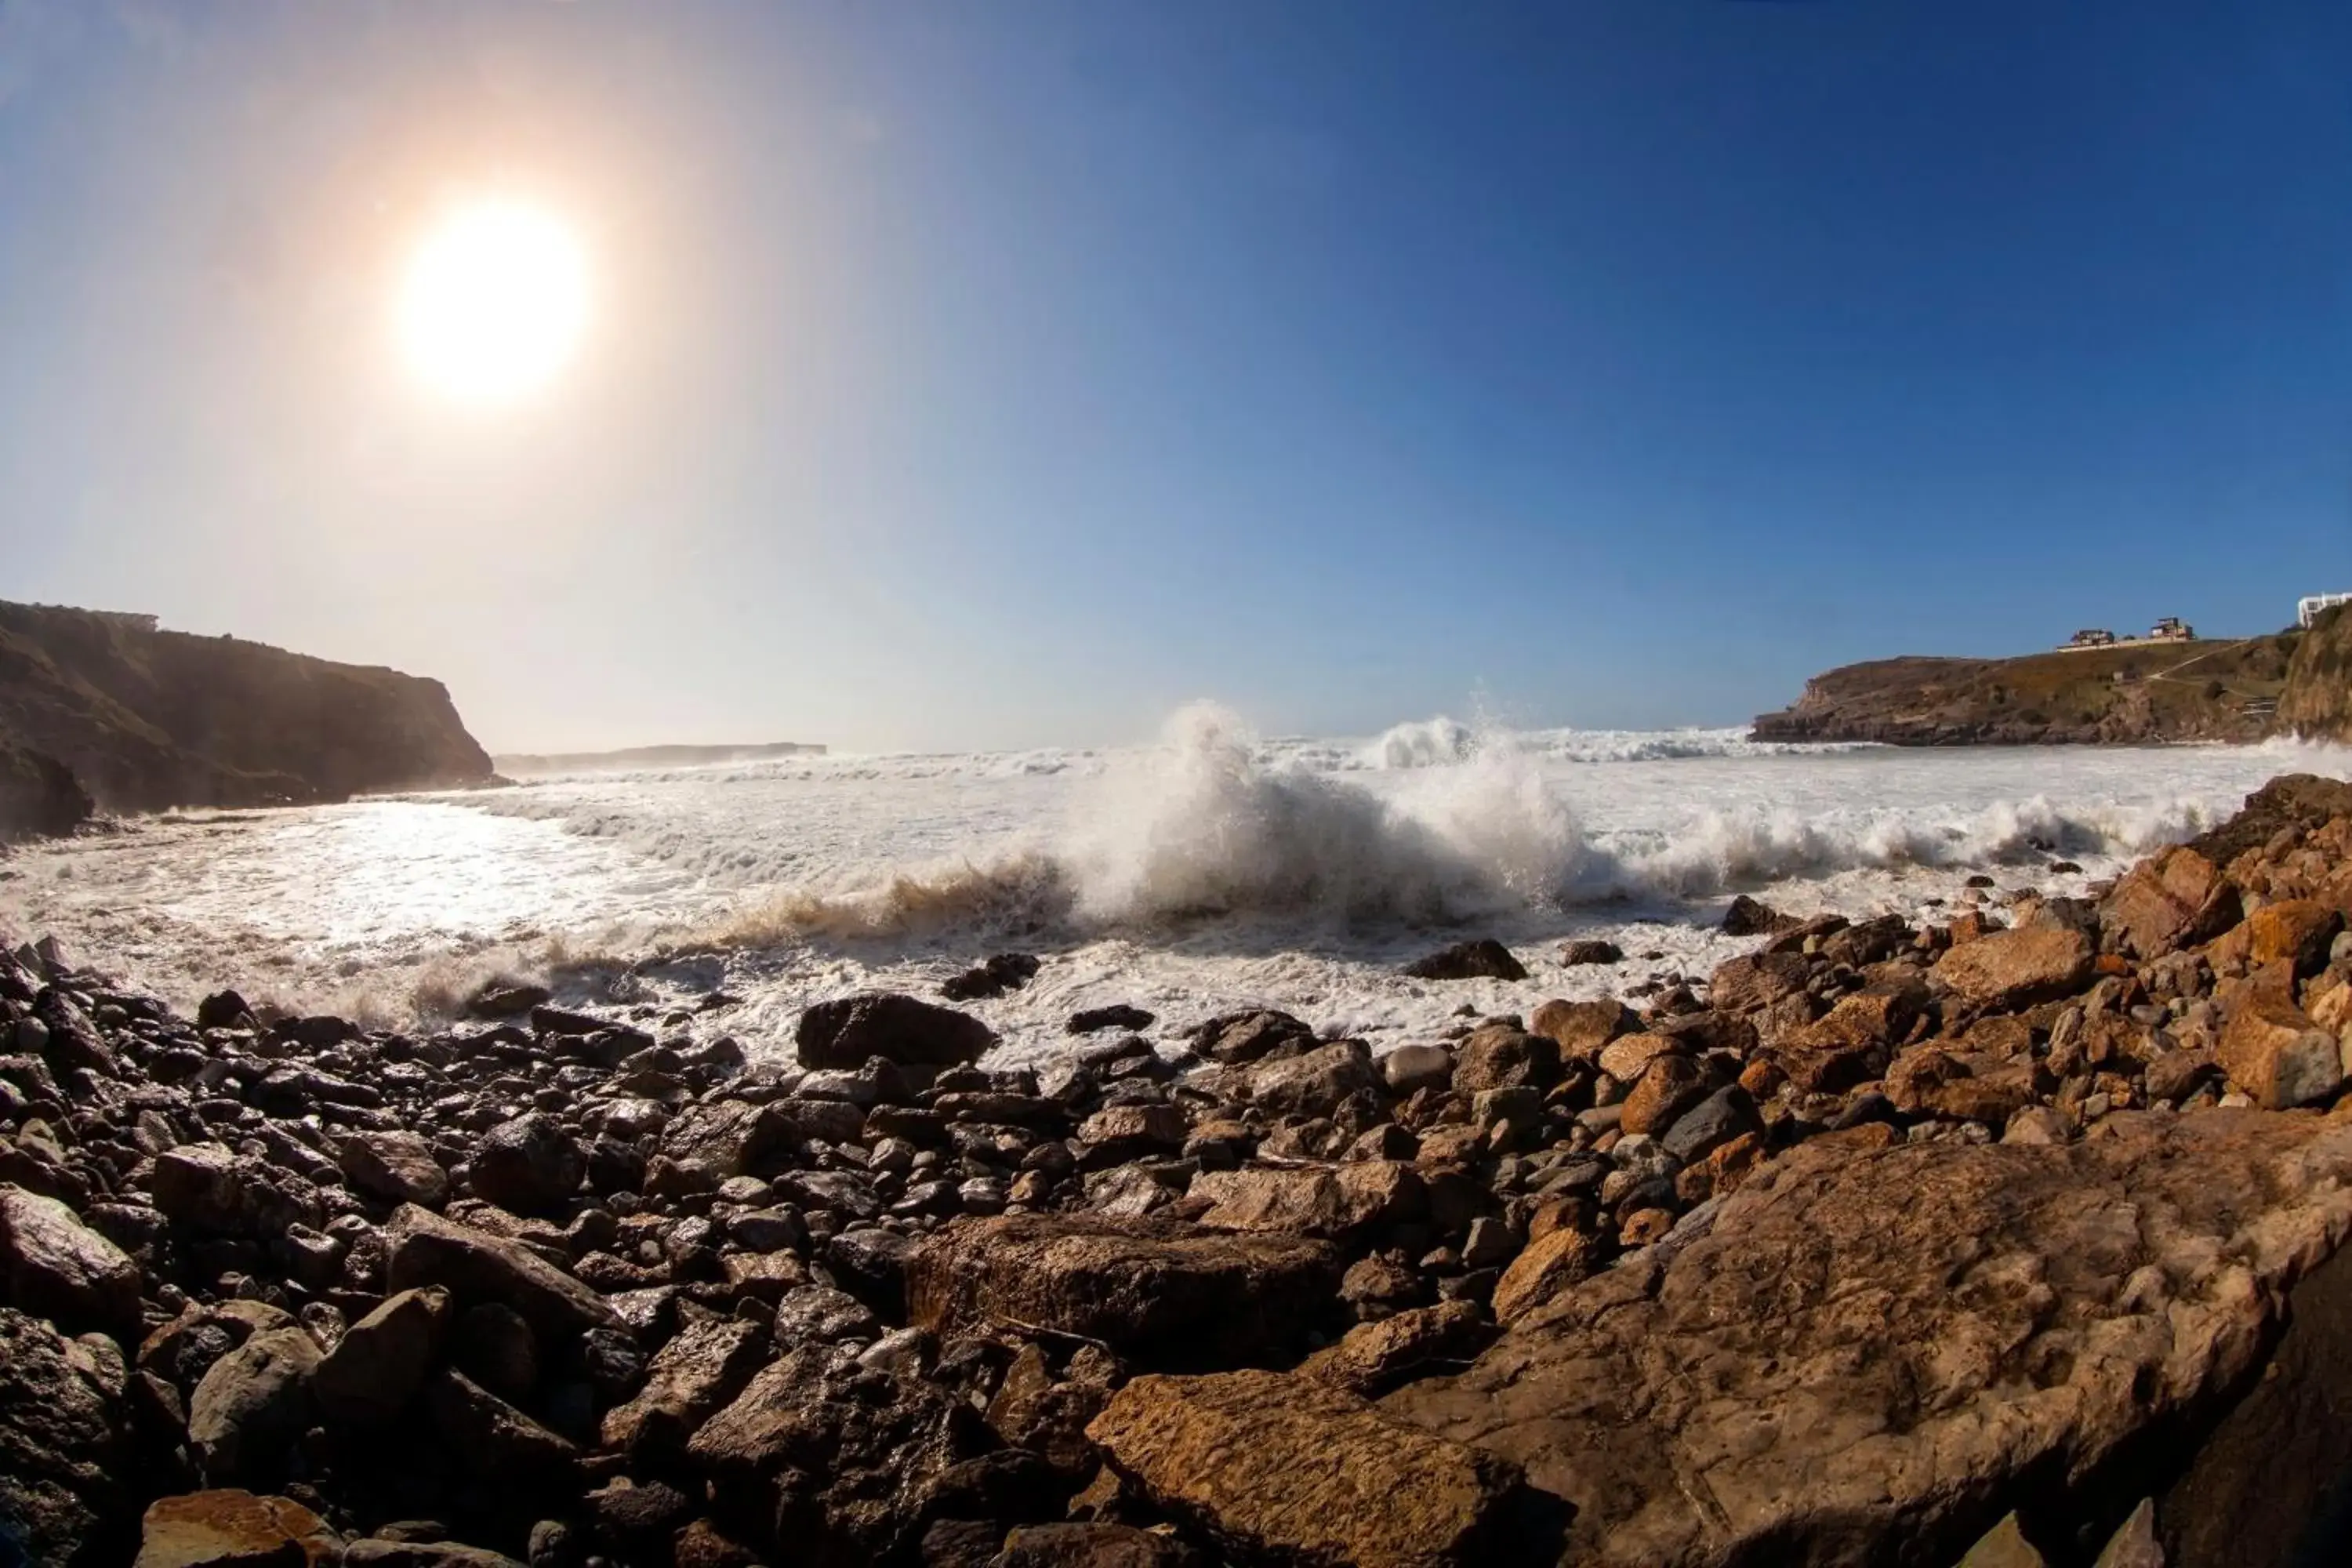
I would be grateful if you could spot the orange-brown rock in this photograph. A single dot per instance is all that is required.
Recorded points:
(1333, 1201)
(231, 1529)
(2293, 932)
(2175, 898)
(1581, 1028)
(1549, 1264)
(1742, 1399)
(1372, 1358)
(1670, 1086)
(2276, 1054)
(1289, 1470)
(1757, 980)
(2015, 969)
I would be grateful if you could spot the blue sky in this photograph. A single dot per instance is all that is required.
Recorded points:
(1008, 373)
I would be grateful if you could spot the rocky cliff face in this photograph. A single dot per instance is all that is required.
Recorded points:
(2317, 700)
(146, 719)
(39, 795)
(2209, 690)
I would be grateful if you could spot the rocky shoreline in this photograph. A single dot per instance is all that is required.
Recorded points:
(1883, 1243)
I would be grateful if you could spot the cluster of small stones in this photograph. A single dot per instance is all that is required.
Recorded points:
(564, 1292)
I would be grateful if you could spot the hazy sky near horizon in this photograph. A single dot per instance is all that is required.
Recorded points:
(1006, 373)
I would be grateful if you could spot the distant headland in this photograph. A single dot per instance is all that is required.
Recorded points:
(2169, 686)
(649, 757)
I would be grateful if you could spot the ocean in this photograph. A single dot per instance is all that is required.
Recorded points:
(1211, 870)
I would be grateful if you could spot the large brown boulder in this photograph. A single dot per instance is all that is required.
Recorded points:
(2175, 898)
(840, 1459)
(1158, 1292)
(231, 1529)
(2017, 968)
(252, 1405)
(63, 1444)
(476, 1266)
(377, 1367)
(689, 1380)
(2277, 1054)
(899, 1029)
(1872, 1354)
(1336, 1201)
(1290, 1470)
(53, 1265)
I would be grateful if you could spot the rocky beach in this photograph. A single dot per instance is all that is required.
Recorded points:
(2009, 1237)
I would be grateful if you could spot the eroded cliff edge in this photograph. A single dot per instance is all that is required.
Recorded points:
(146, 719)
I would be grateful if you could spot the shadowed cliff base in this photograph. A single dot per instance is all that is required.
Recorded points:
(147, 719)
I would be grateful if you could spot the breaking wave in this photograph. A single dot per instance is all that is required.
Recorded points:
(1213, 825)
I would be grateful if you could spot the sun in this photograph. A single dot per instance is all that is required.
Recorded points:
(494, 302)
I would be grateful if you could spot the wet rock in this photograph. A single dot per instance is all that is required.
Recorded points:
(1371, 1359)
(492, 1345)
(54, 1267)
(474, 1266)
(1545, 1270)
(871, 1265)
(2055, 1302)
(1091, 1544)
(230, 1528)
(1755, 981)
(1237, 1039)
(1034, 1411)
(1362, 1489)
(377, 1367)
(1336, 1203)
(1485, 959)
(1580, 1029)
(1498, 1056)
(63, 1447)
(495, 1001)
(372, 1553)
(252, 1405)
(1117, 1134)
(1093, 1020)
(214, 1188)
(1410, 1069)
(1751, 917)
(1316, 1083)
(395, 1166)
(1577, 955)
(2012, 969)
(2273, 1052)
(491, 1436)
(1716, 1120)
(1004, 971)
(687, 1382)
(819, 1314)
(224, 1010)
(527, 1165)
(841, 1458)
(1158, 1292)
(897, 1029)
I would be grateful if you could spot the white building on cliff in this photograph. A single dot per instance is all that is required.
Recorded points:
(2307, 609)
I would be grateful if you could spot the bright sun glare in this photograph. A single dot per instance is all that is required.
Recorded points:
(494, 302)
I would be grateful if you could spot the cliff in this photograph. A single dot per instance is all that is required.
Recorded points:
(2317, 700)
(147, 719)
(2204, 690)
(39, 795)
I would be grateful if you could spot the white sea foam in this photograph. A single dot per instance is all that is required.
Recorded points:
(1208, 868)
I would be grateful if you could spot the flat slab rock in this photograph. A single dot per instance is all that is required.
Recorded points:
(1743, 1399)
(1161, 1293)
(1289, 1470)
